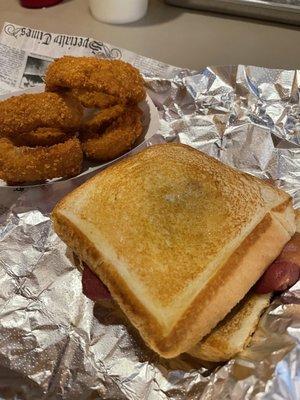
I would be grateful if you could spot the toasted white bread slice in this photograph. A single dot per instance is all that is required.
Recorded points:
(234, 332)
(178, 238)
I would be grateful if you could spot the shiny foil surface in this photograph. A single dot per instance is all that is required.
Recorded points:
(55, 343)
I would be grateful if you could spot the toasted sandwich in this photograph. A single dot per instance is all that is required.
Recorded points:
(177, 237)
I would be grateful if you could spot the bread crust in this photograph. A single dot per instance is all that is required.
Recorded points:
(230, 282)
(234, 332)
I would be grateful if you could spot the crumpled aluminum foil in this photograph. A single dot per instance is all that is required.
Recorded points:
(57, 344)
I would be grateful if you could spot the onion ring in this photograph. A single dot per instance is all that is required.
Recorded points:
(118, 138)
(27, 164)
(113, 77)
(28, 112)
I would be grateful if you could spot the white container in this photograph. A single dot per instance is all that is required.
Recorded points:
(118, 11)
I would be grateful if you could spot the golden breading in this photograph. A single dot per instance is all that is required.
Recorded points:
(41, 137)
(92, 99)
(27, 164)
(25, 113)
(118, 138)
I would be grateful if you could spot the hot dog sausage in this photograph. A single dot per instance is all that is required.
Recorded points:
(92, 286)
(284, 272)
(278, 277)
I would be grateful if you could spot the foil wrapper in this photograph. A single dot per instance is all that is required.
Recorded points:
(55, 343)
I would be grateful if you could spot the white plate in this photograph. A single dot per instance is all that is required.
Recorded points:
(150, 122)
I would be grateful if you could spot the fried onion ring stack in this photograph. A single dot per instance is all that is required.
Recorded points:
(90, 107)
(38, 137)
(113, 88)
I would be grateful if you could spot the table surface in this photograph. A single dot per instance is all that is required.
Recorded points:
(174, 35)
